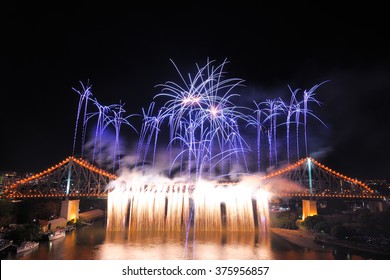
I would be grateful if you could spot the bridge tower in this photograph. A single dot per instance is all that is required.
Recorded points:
(70, 209)
(309, 206)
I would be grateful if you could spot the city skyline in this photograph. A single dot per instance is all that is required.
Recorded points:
(123, 58)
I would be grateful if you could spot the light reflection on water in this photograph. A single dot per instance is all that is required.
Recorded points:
(94, 243)
(173, 245)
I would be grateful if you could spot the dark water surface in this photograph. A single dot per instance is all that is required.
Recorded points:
(95, 243)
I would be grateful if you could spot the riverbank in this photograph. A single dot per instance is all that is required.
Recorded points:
(375, 249)
(299, 237)
(316, 242)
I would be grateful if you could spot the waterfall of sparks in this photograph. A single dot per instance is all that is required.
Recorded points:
(177, 207)
(117, 206)
(166, 206)
(207, 203)
(262, 209)
(239, 208)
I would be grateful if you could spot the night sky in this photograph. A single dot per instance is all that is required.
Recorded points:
(125, 51)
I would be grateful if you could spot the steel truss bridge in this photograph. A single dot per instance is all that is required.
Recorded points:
(311, 179)
(76, 178)
(73, 177)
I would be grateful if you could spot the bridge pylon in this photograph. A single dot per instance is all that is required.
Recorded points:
(309, 208)
(70, 209)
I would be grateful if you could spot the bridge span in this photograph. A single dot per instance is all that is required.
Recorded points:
(76, 178)
(307, 180)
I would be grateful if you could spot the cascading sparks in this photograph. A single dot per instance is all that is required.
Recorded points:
(204, 206)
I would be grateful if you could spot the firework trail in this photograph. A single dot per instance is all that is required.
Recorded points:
(203, 106)
(152, 124)
(117, 120)
(272, 110)
(297, 122)
(84, 98)
(290, 109)
(144, 131)
(101, 125)
(308, 96)
(258, 124)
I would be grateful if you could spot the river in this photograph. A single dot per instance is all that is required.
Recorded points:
(95, 243)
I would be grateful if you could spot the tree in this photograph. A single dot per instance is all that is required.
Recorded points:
(285, 220)
(340, 232)
(311, 221)
(322, 226)
(29, 231)
(32, 231)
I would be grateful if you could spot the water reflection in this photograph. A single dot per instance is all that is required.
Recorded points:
(95, 243)
(173, 245)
